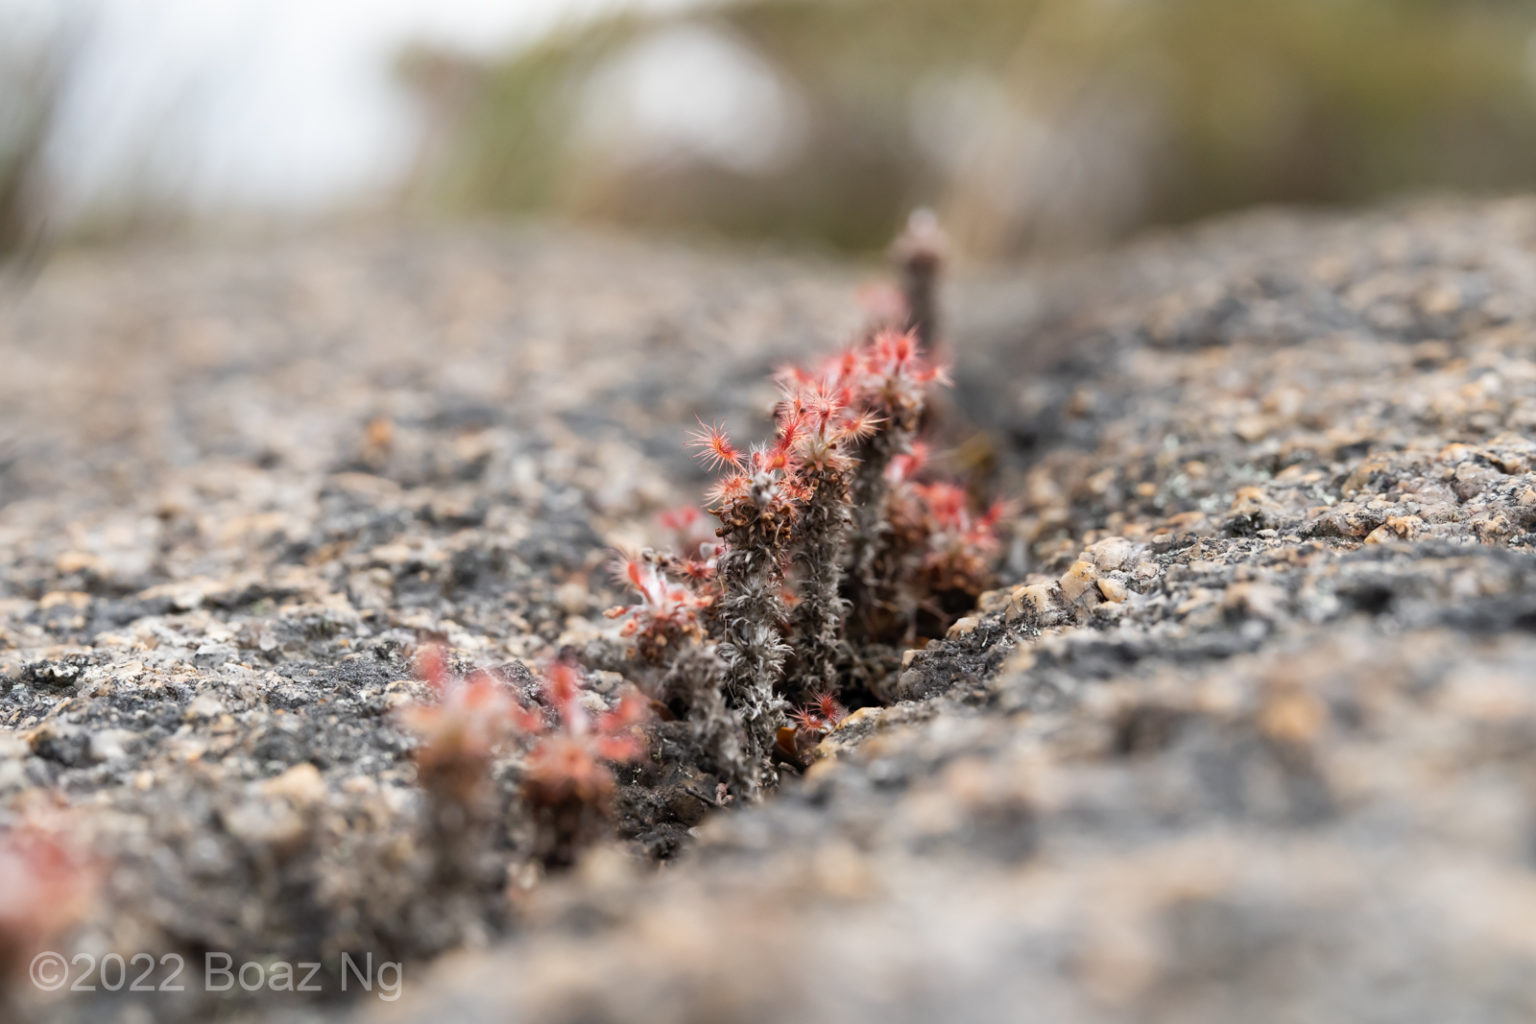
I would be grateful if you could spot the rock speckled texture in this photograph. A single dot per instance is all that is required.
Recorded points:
(1249, 733)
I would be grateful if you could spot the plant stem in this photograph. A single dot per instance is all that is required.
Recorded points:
(823, 533)
(752, 647)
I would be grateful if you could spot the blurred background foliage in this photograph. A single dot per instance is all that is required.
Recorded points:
(1029, 124)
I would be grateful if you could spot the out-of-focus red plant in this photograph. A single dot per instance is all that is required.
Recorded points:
(669, 613)
(46, 887)
(569, 760)
(961, 544)
(462, 730)
(569, 745)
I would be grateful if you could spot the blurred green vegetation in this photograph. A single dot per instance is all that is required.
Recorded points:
(29, 94)
(1028, 123)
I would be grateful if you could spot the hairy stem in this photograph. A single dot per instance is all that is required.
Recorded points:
(919, 254)
(870, 530)
(695, 679)
(818, 620)
(750, 611)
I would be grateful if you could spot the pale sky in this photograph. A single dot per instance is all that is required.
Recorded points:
(267, 104)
